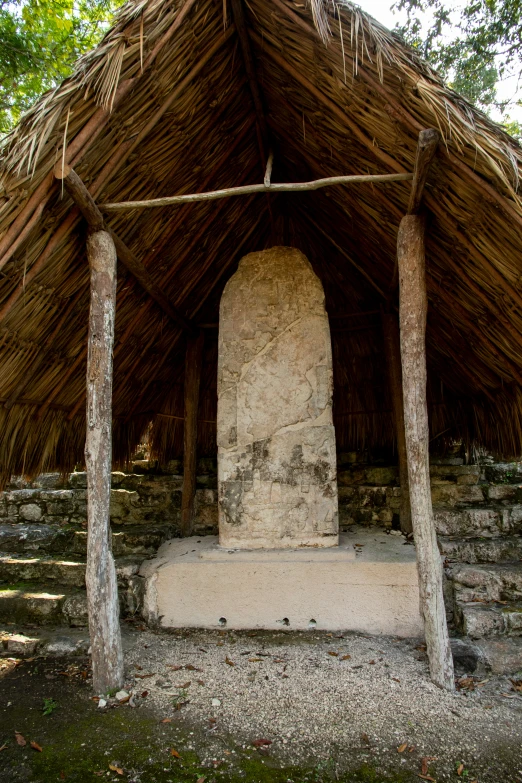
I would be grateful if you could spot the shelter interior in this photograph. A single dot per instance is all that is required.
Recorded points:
(199, 117)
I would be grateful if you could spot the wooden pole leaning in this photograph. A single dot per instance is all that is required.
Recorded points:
(100, 578)
(413, 305)
(193, 363)
(392, 349)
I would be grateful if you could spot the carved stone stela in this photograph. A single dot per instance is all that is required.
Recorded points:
(276, 440)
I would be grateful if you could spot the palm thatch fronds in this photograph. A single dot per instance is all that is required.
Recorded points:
(164, 106)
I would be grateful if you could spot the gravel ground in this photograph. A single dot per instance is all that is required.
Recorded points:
(326, 700)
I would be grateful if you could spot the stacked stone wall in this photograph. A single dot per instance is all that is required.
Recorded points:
(50, 512)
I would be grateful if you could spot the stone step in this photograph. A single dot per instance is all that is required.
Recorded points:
(479, 620)
(43, 604)
(66, 572)
(50, 604)
(20, 568)
(481, 550)
(492, 582)
(18, 538)
(478, 522)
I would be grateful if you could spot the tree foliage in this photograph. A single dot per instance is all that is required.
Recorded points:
(473, 45)
(39, 42)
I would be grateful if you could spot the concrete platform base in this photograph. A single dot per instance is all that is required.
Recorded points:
(368, 583)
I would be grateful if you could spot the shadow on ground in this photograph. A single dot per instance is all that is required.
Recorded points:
(80, 742)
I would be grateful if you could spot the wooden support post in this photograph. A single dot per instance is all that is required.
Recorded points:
(392, 348)
(193, 362)
(100, 578)
(412, 312)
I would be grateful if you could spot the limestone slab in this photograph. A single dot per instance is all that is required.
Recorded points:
(276, 440)
(368, 583)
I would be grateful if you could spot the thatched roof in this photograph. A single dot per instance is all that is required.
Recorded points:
(350, 98)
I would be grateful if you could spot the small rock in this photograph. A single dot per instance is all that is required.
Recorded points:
(102, 703)
(22, 645)
(216, 703)
(122, 696)
(31, 512)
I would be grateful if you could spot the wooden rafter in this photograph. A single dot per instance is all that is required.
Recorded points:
(87, 206)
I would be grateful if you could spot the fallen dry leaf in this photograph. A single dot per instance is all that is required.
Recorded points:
(20, 739)
(424, 762)
(517, 685)
(427, 777)
(4, 746)
(144, 694)
(345, 657)
(460, 769)
(372, 662)
(185, 685)
(200, 682)
(255, 660)
(201, 780)
(114, 768)
(174, 752)
(166, 720)
(333, 654)
(402, 747)
(190, 668)
(396, 679)
(260, 743)
(62, 775)
(230, 663)
(174, 668)
(144, 676)
(365, 738)
(36, 746)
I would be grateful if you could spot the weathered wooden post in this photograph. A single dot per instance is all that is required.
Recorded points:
(100, 577)
(392, 348)
(193, 362)
(412, 313)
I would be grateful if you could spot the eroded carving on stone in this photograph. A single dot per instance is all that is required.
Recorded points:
(276, 441)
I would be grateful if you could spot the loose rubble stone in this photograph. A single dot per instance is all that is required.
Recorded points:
(22, 645)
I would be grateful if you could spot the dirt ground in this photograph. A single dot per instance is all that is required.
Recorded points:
(256, 707)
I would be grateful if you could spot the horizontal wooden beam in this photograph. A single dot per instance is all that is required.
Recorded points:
(87, 206)
(273, 187)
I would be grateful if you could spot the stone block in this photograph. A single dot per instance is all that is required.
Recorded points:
(20, 646)
(502, 655)
(24, 606)
(78, 480)
(22, 538)
(477, 620)
(381, 476)
(30, 512)
(353, 476)
(482, 550)
(504, 473)
(22, 496)
(455, 494)
(467, 522)
(117, 477)
(502, 492)
(122, 504)
(75, 610)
